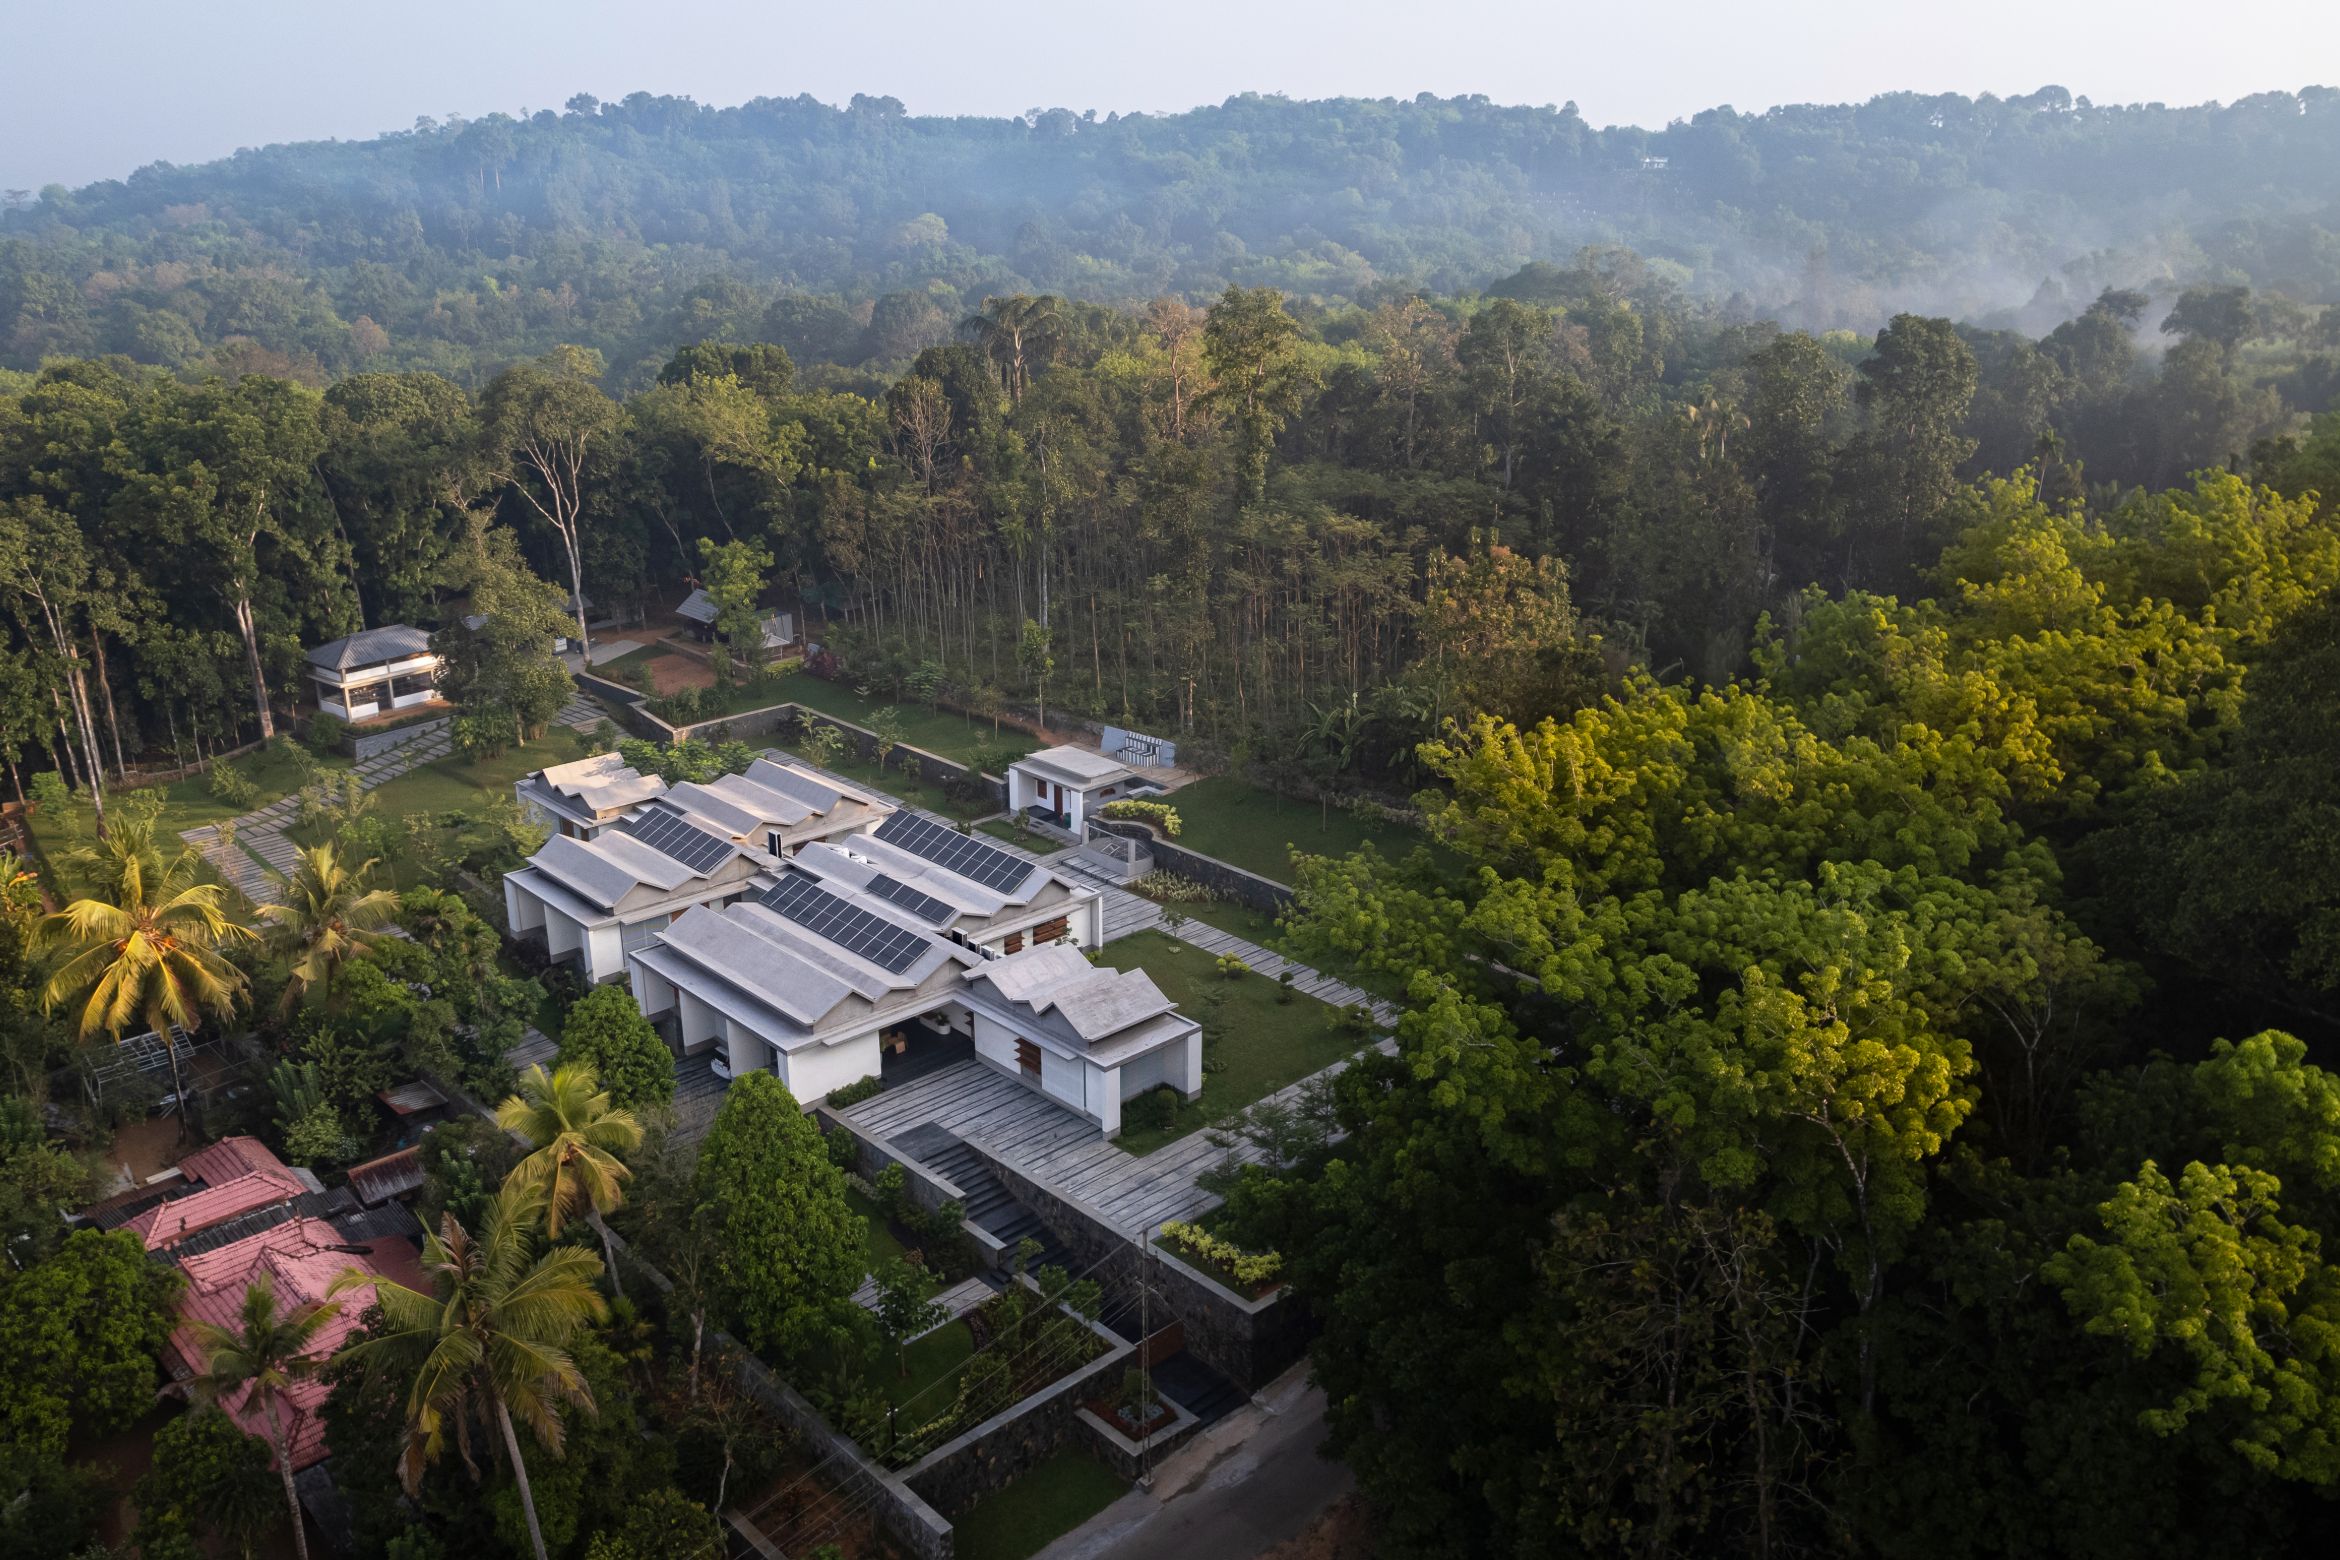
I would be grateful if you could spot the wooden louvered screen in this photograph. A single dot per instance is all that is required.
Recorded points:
(1049, 931)
(1014, 943)
(1028, 1057)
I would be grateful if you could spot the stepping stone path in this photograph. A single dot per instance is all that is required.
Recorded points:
(262, 854)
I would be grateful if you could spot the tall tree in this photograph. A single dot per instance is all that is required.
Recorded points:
(544, 420)
(144, 952)
(576, 1136)
(329, 917)
(491, 1341)
(1253, 348)
(260, 1357)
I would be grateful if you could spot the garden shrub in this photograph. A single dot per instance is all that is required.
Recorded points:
(1156, 1110)
(226, 783)
(604, 1030)
(324, 732)
(49, 788)
(1231, 967)
(1161, 815)
(319, 1138)
(844, 1149)
(1253, 1270)
(857, 1091)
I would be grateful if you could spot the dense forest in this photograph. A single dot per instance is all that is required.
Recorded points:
(860, 235)
(1862, 1079)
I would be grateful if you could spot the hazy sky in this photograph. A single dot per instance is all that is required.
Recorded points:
(91, 89)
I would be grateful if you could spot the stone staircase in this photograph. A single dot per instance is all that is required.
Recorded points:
(991, 1207)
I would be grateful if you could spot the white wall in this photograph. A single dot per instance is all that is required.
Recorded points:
(1179, 1066)
(813, 1072)
(995, 1042)
(562, 934)
(700, 1024)
(523, 911)
(653, 993)
(605, 954)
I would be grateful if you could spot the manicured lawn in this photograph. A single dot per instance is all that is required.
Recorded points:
(457, 781)
(1240, 823)
(934, 1363)
(882, 1244)
(937, 731)
(187, 804)
(1043, 1504)
(1005, 829)
(909, 787)
(1259, 1043)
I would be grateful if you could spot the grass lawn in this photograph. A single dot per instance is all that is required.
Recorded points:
(882, 1244)
(1031, 840)
(1240, 823)
(937, 731)
(186, 804)
(907, 785)
(934, 1363)
(1261, 1044)
(456, 781)
(1044, 1504)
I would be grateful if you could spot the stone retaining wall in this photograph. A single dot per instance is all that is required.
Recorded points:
(900, 1510)
(1250, 1342)
(1224, 877)
(1134, 1459)
(1017, 1439)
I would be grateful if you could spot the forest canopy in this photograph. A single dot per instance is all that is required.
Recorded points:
(860, 234)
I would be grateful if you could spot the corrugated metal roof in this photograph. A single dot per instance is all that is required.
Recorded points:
(698, 607)
(229, 1158)
(392, 1175)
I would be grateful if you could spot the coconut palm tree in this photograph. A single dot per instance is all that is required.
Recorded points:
(491, 1340)
(577, 1134)
(141, 950)
(262, 1356)
(329, 916)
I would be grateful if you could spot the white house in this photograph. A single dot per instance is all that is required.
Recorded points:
(582, 798)
(375, 671)
(597, 899)
(815, 979)
(994, 900)
(779, 806)
(1064, 786)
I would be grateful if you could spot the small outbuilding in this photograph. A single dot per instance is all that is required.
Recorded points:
(1062, 787)
(375, 671)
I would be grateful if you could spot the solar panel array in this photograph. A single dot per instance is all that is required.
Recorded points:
(800, 897)
(925, 906)
(947, 848)
(672, 835)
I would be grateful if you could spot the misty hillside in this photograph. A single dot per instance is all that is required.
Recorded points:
(857, 234)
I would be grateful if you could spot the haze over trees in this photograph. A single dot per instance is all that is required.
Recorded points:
(859, 234)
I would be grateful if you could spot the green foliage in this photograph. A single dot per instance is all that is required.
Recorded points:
(1161, 815)
(855, 1092)
(50, 790)
(1251, 1271)
(324, 733)
(662, 1523)
(79, 1337)
(230, 785)
(319, 1137)
(209, 1477)
(793, 1250)
(607, 1032)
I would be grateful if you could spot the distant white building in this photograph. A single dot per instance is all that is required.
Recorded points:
(1064, 786)
(374, 672)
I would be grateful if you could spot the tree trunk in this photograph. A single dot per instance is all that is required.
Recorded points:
(698, 1336)
(609, 1256)
(243, 605)
(520, 1477)
(292, 1499)
(178, 1079)
(97, 648)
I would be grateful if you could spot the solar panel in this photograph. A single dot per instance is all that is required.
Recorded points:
(672, 835)
(947, 848)
(800, 897)
(924, 906)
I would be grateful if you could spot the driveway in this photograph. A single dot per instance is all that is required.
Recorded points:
(1250, 1482)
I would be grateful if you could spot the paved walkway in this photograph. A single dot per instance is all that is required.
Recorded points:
(262, 853)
